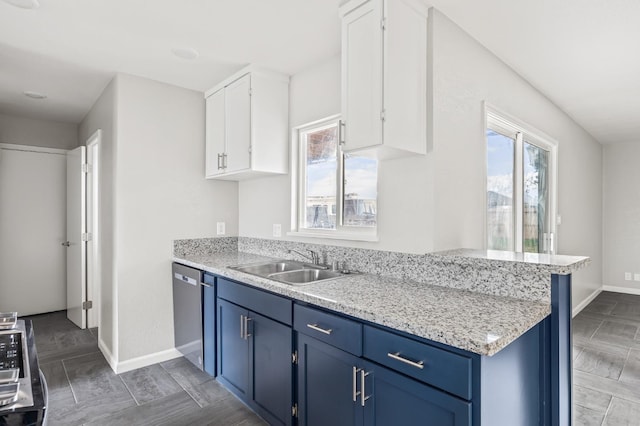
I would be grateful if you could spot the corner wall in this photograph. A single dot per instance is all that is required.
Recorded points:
(621, 216)
(465, 74)
(161, 195)
(103, 115)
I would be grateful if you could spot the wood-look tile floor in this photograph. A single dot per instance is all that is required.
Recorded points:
(83, 390)
(606, 361)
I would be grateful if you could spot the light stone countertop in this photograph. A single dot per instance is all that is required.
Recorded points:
(476, 322)
(551, 263)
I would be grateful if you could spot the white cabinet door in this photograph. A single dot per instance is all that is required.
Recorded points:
(362, 73)
(215, 130)
(238, 124)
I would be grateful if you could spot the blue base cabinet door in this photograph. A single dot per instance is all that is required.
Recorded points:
(272, 368)
(233, 348)
(391, 399)
(327, 391)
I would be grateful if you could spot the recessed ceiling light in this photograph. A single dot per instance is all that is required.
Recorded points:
(24, 4)
(186, 53)
(34, 95)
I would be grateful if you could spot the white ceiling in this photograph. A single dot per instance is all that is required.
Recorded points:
(582, 54)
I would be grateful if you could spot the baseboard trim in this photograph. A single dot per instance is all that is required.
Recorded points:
(111, 360)
(146, 360)
(625, 290)
(585, 302)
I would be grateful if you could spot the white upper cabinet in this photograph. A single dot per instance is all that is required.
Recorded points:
(384, 77)
(247, 121)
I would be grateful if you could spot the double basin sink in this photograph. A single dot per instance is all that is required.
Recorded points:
(290, 272)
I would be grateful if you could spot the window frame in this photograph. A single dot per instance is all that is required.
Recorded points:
(298, 190)
(502, 122)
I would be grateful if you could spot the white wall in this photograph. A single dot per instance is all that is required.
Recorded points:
(436, 202)
(161, 195)
(621, 214)
(103, 116)
(28, 131)
(465, 74)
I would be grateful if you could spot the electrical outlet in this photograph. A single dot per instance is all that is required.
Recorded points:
(221, 228)
(636, 277)
(277, 230)
(627, 276)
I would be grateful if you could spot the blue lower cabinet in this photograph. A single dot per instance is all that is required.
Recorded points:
(233, 348)
(271, 369)
(254, 361)
(391, 399)
(327, 378)
(338, 388)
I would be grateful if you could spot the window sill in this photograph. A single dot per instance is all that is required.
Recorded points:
(350, 236)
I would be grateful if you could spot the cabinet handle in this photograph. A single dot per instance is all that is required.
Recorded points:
(206, 285)
(355, 384)
(320, 329)
(397, 357)
(242, 326)
(246, 328)
(219, 157)
(363, 398)
(224, 161)
(342, 127)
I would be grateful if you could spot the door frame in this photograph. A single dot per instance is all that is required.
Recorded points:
(94, 285)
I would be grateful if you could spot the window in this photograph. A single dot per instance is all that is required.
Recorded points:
(337, 192)
(520, 186)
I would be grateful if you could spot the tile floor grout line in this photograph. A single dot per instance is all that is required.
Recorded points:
(66, 373)
(606, 412)
(128, 390)
(596, 330)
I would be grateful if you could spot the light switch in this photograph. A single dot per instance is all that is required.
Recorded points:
(221, 228)
(627, 276)
(277, 230)
(636, 277)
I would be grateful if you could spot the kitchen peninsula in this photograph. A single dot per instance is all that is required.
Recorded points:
(469, 337)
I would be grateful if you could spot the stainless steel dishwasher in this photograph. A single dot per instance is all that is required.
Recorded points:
(188, 309)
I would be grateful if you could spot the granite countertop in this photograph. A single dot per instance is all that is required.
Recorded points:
(551, 263)
(476, 322)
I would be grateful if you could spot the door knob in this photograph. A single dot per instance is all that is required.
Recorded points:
(66, 244)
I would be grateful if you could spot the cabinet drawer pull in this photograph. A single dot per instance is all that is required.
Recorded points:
(246, 328)
(363, 397)
(397, 357)
(355, 384)
(242, 326)
(320, 329)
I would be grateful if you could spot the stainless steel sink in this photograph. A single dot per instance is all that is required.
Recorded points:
(306, 276)
(265, 269)
(290, 272)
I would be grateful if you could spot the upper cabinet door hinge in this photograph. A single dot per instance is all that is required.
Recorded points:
(294, 357)
(294, 411)
(87, 305)
(86, 168)
(383, 24)
(86, 236)
(250, 91)
(383, 115)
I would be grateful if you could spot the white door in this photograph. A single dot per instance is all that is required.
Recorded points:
(76, 227)
(32, 226)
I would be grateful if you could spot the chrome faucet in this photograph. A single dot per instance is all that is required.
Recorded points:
(314, 258)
